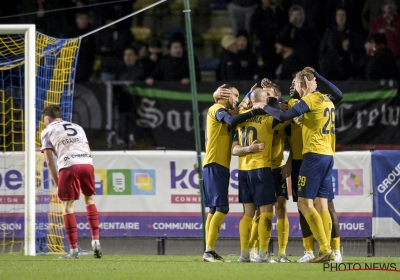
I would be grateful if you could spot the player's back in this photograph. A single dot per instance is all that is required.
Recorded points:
(259, 128)
(218, 139)
(68, 142)
(318, 125)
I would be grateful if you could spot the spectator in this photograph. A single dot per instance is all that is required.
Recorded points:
(174, 67)
(248, 60)
(124, 118)
(291, 64)
(141, 49)
(304, 44)
(371, 9)
(130, 70)
(313, 15)
(353, 11)
(111, 43)
(340, 49)
(378, 63)
(267, 19)
(229, 67)
(240, 13)
(155, 55)
(388, 23)
(86, 54)
(338, 65)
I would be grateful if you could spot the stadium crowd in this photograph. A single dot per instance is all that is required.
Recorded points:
(343, 40)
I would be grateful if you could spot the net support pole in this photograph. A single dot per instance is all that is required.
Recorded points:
(30, 139)
(195, 111)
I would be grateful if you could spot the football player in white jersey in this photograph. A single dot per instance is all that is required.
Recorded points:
(74, 173)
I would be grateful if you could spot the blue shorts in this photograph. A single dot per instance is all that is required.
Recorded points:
(280, 184)
(256, 186)
(315, 176)
(331, 195)
(215, 185)
(294, 176)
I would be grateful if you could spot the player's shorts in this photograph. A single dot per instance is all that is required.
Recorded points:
(74, 179)
(294, 176)
(331, 195)
(280, 184)
(256, 186)
(315, 176)
(215, 185)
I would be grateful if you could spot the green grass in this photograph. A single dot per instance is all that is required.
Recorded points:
(176, 267)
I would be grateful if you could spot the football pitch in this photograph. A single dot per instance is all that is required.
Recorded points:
(189, 267)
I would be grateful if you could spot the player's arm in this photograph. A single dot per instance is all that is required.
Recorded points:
(224, 116)
(297, 110)
(246, 100)
(221, 93)
(287, 168)
(238, 150)
(51, 165)
(335, 93)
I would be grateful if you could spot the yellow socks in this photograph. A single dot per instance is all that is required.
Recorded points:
(253, 242)
(327, 222)
(213, 229)
(336, 243)
(208, 221)
(244, 232)
(315, 222)
(282, 228)
(308, 243)
(264, 229)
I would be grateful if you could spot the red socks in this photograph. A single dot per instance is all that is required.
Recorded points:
(71, 230)
(93, 220)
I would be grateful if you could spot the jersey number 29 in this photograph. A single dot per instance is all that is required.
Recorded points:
(329, 126)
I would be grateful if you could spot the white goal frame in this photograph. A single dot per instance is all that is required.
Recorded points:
(29, 30)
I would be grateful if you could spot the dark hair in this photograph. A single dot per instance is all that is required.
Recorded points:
(52, 111)
(174, 41)
(285, 41)
(156, 43)
(377, 38)
(244, 33)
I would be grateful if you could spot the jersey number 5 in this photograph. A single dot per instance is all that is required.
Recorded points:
(329, 126)
(73, 131)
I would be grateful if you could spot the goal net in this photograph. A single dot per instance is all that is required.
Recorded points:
(52, 76)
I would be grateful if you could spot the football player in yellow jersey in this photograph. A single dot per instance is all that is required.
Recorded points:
(216, 165)
(252, 143)
(315, 175)
(280, 174)
(295, 160)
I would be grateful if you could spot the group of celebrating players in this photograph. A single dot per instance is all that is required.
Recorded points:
(256, 131)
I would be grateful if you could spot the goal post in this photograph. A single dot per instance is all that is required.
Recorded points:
(36, 70)
(29, 30)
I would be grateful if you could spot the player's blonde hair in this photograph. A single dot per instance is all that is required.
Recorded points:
(266, 83)
(304, 74)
